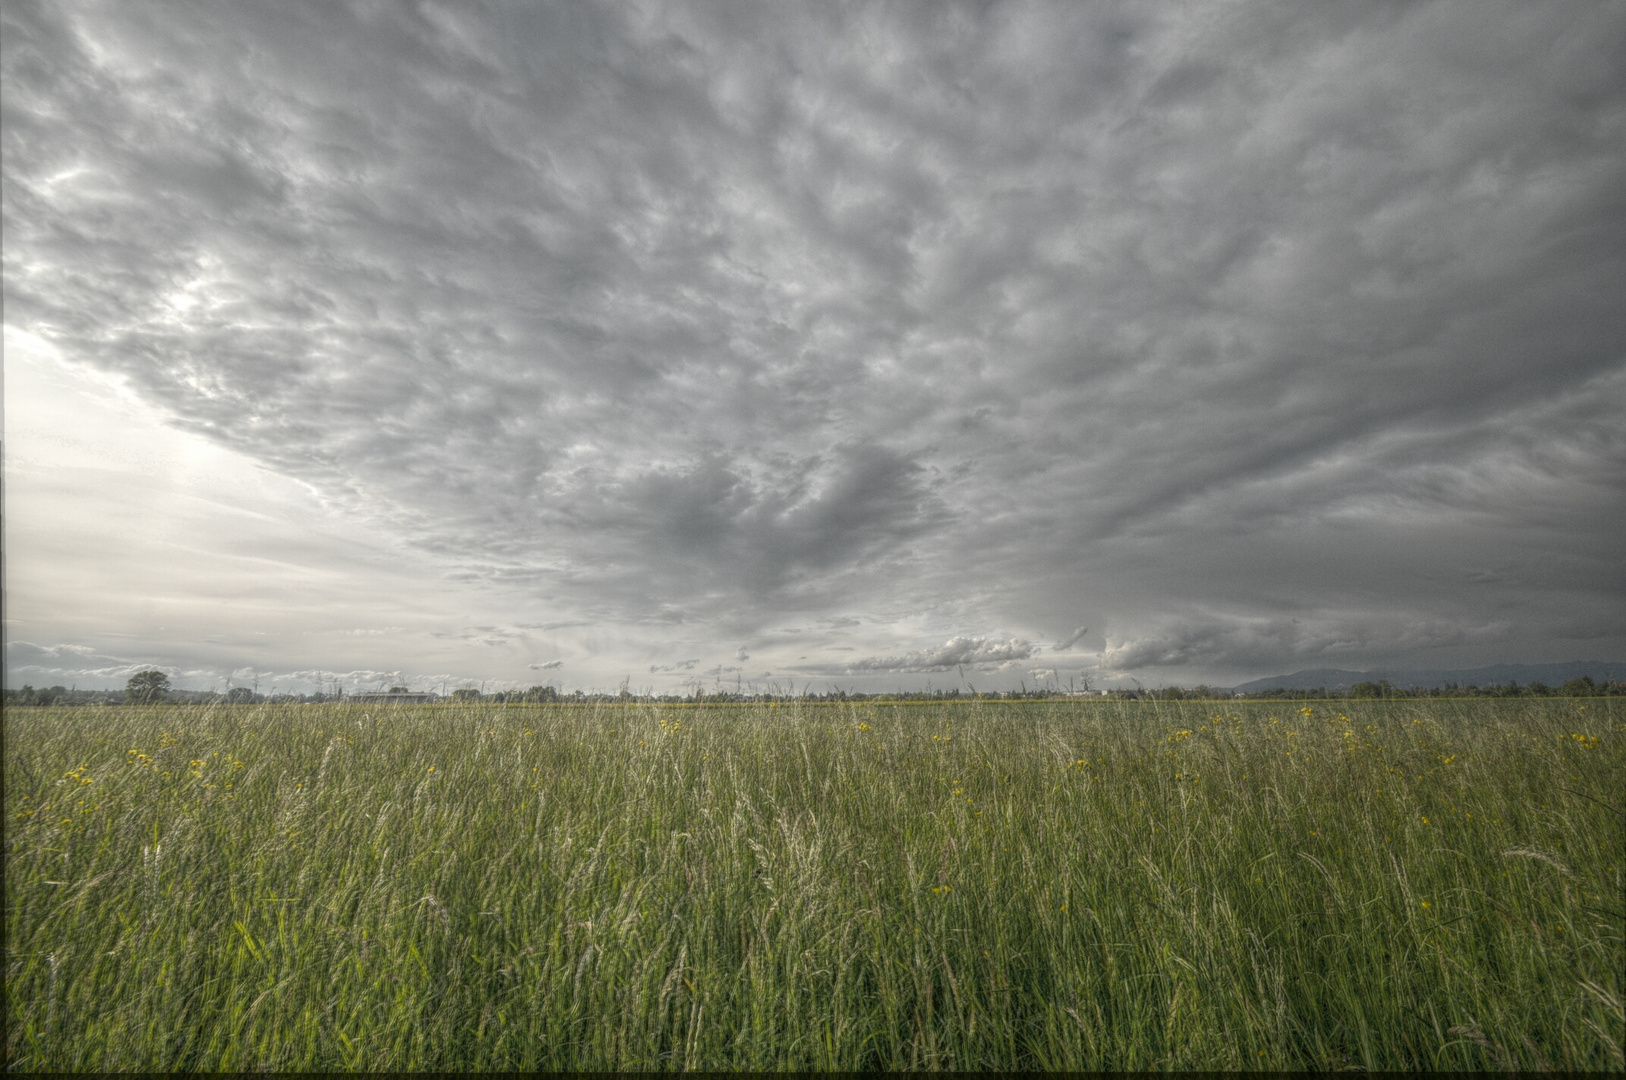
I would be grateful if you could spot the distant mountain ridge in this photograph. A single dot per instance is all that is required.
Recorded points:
(1434, 679)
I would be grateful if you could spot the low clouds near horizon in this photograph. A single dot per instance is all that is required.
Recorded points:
(884, 338)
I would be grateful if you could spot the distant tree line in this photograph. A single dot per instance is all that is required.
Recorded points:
(1582, 687)
(61, 695)
(152, 687)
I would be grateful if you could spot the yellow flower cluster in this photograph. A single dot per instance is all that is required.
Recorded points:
(196, 767)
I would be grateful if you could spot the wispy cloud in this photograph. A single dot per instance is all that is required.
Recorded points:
(973, 652)
(1070, 640)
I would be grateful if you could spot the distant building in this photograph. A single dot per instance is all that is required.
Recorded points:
(382, 698)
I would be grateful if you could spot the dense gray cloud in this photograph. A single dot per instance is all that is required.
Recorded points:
(1250, 334)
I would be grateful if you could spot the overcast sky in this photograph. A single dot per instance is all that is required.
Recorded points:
(871, 346)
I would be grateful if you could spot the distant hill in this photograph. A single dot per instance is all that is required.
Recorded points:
(1430, 679)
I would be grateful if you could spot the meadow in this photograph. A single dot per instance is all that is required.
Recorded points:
(1070, 885)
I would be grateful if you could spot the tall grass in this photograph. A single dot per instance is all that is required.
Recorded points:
(1109, 885)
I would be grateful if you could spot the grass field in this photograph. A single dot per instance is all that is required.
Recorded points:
(1104, 885)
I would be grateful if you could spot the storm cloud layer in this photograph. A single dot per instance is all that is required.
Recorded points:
(881, 338)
